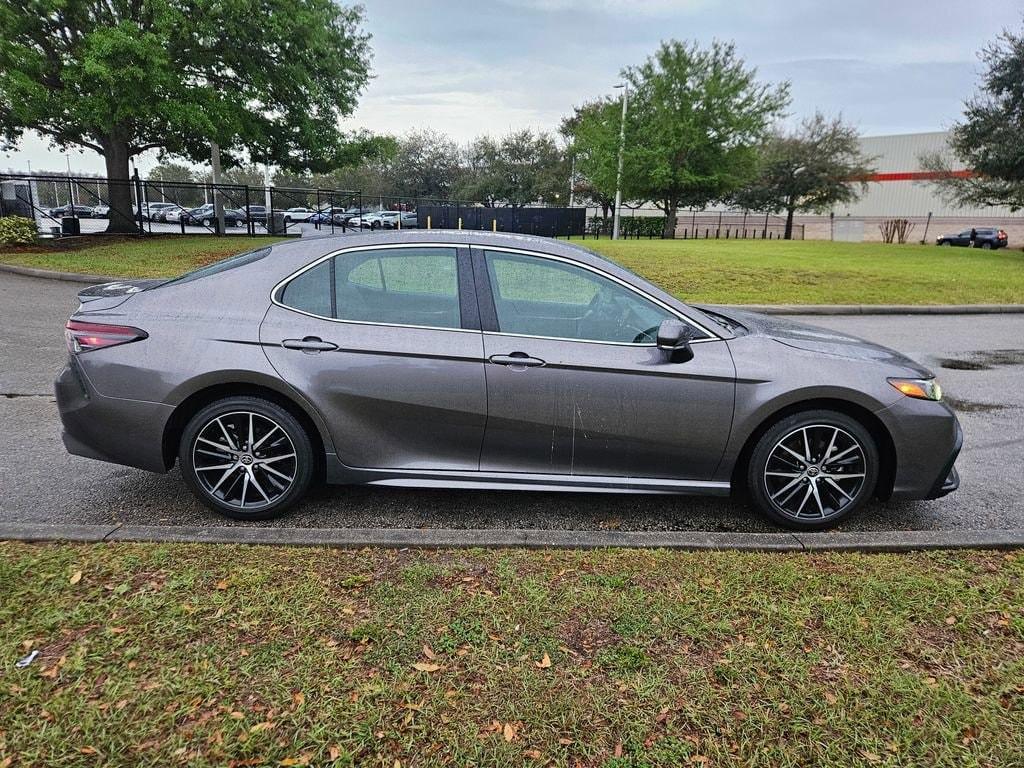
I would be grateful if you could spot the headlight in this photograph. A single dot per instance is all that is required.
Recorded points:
(922, 389)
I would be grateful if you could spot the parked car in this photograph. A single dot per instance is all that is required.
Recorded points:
(297, 215)
(170, 214)
(490, 361)
(346, 218)
(101, 211)
(257, 214)
(152, 211)
(985, 237)
(79, 211)
(391, 219)
(325, 215)
(205, 216)
(373, 220)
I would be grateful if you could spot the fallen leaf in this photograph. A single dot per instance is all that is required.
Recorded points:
(509, 732)
(618, 749)
(544, 663)
(75, 577)
(564, 741)
(424, 667)
(334, 752)
(429, 652)
(222, 584)
(951, 620)
(871, 757)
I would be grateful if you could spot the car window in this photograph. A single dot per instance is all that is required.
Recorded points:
(400, 286)
(541, 297)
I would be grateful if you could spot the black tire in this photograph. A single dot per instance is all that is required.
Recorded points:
(820, 426)
(986, 246)
(232, 411)
(945, 242)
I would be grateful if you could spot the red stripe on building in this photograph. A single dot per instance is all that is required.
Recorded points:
(918, 175)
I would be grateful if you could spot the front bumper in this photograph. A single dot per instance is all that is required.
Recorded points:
(927, 438)
(117, 430)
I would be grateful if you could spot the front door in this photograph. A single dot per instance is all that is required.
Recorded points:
(576, 385)
(384, 342)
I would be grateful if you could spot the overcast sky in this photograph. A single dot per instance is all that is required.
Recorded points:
(469, 67)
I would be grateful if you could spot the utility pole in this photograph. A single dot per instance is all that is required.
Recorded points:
(622, 147)
(572, 179)
(218, 202)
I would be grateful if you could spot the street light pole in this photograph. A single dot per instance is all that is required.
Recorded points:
(622, 146)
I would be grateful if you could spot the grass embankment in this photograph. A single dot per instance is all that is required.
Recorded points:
(209, 655)
(710, 271)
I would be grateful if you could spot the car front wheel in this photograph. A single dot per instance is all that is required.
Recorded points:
(246, 458)
(813, 469)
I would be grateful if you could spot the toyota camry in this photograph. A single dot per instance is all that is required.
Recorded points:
(485, 360)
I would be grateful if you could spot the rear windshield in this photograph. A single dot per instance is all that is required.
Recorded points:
(218, 266)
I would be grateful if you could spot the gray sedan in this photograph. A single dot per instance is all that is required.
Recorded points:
(483, 360)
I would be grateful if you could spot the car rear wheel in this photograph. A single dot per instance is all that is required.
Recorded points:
(813, 469)
(987, 246)
(246, 458)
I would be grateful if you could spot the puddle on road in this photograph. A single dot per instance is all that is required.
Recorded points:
(983, 360)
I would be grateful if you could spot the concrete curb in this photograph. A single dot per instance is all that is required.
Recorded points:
(881, 309)
(441, 538)
(69, 277)
(767, 309)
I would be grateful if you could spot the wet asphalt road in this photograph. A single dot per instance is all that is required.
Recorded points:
(980, 361)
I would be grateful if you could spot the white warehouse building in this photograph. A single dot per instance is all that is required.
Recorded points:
(899, 188)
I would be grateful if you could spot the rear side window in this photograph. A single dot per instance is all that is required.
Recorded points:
(400, 286)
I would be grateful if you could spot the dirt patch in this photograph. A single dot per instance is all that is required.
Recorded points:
(586, 637)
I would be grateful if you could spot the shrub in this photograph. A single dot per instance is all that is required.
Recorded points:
(17, 230)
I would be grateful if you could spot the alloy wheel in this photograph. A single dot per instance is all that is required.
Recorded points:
(244, 460)
(814, 472)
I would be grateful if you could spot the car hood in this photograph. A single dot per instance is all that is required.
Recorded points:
(810, 338)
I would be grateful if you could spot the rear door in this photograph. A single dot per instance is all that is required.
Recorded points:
(576, 385)
(385, 342)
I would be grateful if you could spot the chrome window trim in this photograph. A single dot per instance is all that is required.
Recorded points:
(276, 290)
(712, 336)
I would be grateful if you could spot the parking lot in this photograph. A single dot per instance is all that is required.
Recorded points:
(980, 360)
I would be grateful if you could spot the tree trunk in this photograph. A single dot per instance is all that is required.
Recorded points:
(788, 235)
(119, 188)
(668, 232)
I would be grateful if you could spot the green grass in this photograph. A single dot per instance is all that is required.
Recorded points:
(210, 655)
(822, 272)
(138, 257)
(711, 271)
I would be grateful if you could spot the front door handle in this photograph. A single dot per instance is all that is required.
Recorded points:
(309, 344)
(517, 359)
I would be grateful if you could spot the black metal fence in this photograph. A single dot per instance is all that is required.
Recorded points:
(73, 205)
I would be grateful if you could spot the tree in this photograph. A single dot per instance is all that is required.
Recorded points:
(592, 135)
(519, 169)
(809, 169)
(424, 164)
(270, 78)
(990, 139)
(695, 120)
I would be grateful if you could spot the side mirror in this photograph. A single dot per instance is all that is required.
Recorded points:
(674, 339)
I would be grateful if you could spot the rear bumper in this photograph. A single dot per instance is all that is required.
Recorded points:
(117, 430)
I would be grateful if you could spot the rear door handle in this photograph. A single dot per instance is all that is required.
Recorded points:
(309, 344)
(517, 359)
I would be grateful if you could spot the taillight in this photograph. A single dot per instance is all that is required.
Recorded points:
(83, 337)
